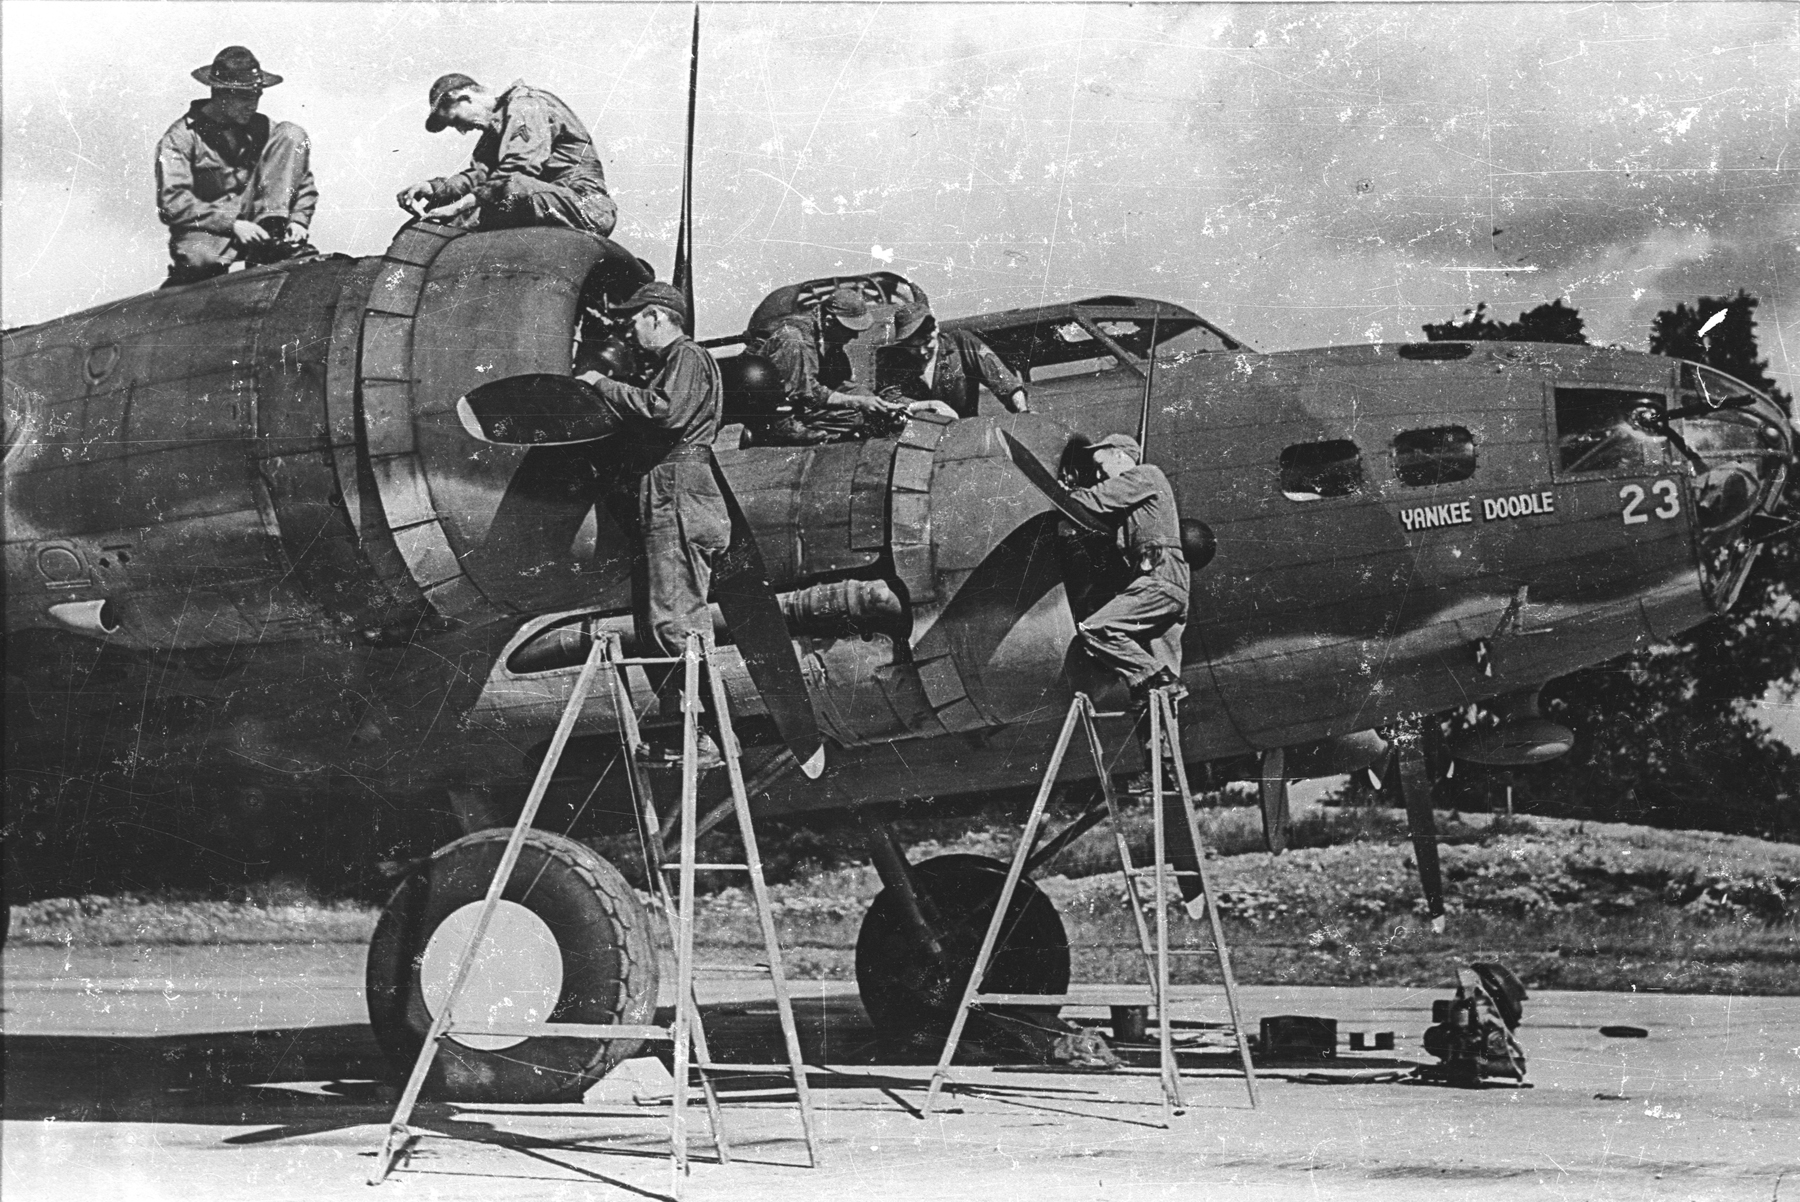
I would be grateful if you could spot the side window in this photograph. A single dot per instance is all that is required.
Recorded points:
(1595, 431)
(1438, 455)
(1312, 471)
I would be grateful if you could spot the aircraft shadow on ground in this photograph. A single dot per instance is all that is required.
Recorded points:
(338, 1076)
(295, 1082)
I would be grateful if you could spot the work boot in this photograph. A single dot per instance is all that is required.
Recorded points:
(1138, 783)
(1164, 679)
(666, 753)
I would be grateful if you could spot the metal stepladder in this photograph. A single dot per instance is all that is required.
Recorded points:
(686, 1031)
(1164, 738)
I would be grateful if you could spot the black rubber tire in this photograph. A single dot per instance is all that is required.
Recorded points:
(608, 955)
(909, 1000)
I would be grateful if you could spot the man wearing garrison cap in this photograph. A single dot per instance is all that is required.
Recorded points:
(666, 433)
(231, 186)
(1138, 633)
(825, 403)
(534, 163)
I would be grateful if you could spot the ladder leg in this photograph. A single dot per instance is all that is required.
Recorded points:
(684, 939)
(1133, 896)
(1171, 1076)
(1026, 839)
(1212, 914)
(643, 799)
(650, 838)
(771, 940)
(709, 1090)
(399, 1137)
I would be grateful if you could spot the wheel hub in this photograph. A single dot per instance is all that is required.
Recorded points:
(515, 980)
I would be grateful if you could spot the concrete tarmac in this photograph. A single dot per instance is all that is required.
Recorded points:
(187, 1074)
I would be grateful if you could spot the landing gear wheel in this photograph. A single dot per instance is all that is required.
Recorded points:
(569, 942)
(911, 1001)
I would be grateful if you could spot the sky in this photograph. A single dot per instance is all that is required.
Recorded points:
(1299, 174)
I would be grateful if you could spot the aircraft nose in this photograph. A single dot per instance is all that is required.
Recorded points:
(1749, 453)
(1739, 499)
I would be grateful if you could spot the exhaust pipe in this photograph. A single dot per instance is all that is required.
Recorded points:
(87, 617)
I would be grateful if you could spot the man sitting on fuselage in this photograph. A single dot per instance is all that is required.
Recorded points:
(534, 163)
(947, 366)
(826, 403)
(230, 185)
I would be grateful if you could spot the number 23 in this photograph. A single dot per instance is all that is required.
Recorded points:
(1633, 496)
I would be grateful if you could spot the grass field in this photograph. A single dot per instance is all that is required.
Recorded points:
(1566, 905)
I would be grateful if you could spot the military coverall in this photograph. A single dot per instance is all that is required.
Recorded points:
(212, 173)
(536, 167)
(962, 363)
(668, 429)
(1139, 630)
(816, 379)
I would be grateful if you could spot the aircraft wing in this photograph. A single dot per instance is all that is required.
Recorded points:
(536, 409)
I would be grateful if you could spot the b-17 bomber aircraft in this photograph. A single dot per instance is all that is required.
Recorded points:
(255, 545)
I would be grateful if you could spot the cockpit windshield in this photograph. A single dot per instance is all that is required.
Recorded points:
(1739, 460)
(1100, 334)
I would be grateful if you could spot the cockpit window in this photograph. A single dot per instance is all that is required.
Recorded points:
(1713, 389)
(1595, 431)
(1191, 341)
(1436, 455)
(1084, 339)
(1071, 351)
(1312, 471)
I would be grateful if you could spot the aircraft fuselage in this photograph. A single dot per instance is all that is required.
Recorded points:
(247, 535)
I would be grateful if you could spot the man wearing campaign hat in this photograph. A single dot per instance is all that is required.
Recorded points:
(949, 365)
(1138, 633)
(665, 441)
(825, 403)
(534, 163)
(230, 185)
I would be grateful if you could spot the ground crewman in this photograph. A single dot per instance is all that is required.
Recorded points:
(230, 185)
(667, 429)
(534, 163)
(950, 365)
(827, 404)
(1138, 633)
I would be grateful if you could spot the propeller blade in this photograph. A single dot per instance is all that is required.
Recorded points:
(741, 587)
(683, 274)
(1421, 822)
(1050, 486)
(536, 409)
